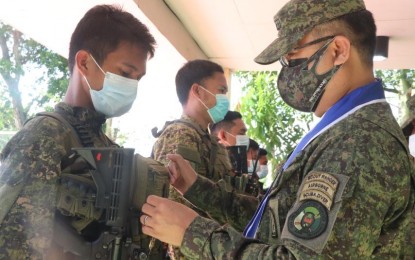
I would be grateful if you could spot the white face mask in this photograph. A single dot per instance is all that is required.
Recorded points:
(412, 145)
(242, 140)
(263, 171)
(116, 96)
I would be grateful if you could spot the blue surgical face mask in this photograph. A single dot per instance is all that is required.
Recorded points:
(116, 96)
(218, 112)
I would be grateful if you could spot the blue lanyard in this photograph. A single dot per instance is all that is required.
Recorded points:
(347, 105)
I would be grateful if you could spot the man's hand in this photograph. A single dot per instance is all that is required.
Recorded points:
(182, 175)
(166, 220)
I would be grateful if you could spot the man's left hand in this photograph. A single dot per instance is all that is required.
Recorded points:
(166, 220)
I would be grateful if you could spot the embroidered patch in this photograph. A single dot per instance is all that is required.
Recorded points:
(320, 187)
(309, 220)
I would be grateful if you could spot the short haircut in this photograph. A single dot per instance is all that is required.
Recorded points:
(253, 144)
(103, 28)
(262, 152)
(359, 27)
(194, 71)
(227, 122)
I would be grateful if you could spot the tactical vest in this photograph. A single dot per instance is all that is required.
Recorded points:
(216, 165)
(218, 161)
(74, 227)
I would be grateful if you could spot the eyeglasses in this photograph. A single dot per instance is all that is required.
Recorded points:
(285, 62)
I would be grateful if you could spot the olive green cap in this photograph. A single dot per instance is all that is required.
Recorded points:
(298, 17)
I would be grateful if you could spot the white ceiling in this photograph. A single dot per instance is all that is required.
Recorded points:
(230, 32)
(233, 32)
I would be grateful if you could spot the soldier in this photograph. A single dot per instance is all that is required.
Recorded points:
(262, 170)
(252, 156)
(231, 130)
(201, 88)
(263, 160)
(108, 53)
(231, 133)
(347, 191)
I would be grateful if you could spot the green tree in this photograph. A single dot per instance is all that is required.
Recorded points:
(278, 127)
(270, 121)
(21, 55)
(400, 82)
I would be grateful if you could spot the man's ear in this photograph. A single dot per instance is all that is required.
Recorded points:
(222, 135)
(342, 48)
(81, 62)
(195, 90)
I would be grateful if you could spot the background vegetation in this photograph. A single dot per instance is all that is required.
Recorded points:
(276, 126)
(48, 74)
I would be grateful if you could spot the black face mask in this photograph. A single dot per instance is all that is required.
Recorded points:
(302, 88)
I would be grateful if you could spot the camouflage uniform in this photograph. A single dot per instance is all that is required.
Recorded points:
(31, 165)
(363, 162)
(185, 139)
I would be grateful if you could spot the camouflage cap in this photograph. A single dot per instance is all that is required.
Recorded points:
(406, 122)
(298, 17)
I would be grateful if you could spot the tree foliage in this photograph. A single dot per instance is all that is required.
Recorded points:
(21, 55)
(279, 127)
(400, 83)
(270, 121)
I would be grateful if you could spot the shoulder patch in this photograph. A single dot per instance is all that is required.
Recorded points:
(320, 187)
(309, 220)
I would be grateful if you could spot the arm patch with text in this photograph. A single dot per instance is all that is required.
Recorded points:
(312, 217)
(320, 187)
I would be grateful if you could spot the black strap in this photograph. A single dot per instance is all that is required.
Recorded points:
(76, 141)
(65, 122)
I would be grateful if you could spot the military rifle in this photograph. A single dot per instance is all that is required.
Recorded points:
(122, 181)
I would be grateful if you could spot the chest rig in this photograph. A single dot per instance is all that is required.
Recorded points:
(100, 195)
(216, 160)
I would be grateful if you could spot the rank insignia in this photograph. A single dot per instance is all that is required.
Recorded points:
(309, 220)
